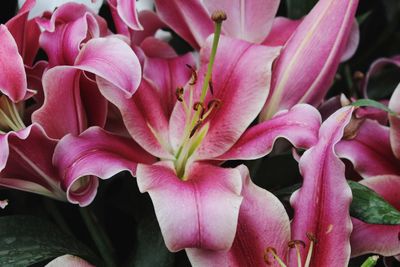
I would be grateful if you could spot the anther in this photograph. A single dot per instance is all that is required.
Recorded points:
(194, 74)
(218, 16)
(293, 243)
(351, 129)
(197, 126)
(311, 237)
(210, 85)
(198, 105)
(358, 76)
(179, 94)
(273, 252)
(214, 103)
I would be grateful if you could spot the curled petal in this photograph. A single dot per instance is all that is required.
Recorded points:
(375, 238)
(262, 223)
(112, 60)
(315, 48)
(249, 20)
(128, 13)
(12, 79)
(200, 212)
(299, 125)
(352, 42)
(394, 105)
(151, 23)
(95, 153)
(370, 151)
(322, 204)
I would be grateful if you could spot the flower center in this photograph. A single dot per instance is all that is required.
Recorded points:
(296, 244)
(10, 119)
(197, 112)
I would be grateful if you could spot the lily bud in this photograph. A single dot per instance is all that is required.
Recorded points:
(307, 65)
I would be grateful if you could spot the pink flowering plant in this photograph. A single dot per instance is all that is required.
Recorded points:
(199, 133)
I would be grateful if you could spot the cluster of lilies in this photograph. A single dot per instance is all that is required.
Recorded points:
(105, 102)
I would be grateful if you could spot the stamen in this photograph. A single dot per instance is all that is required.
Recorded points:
(197, 126)
(313, 240)
(218, 16)
(272, 251)
(214, 103)
(194, 74)
(295, 244)
(199, 106)
(179, 94)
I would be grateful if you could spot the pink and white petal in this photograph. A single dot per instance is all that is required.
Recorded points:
(151, 23)
(375, 238)
(68, 261)
(26, 162)
(352, 42)
(12, 79)
(394, 105)
(321, 205)
(376, 66)
(128, 13)
(189, 19)
(63, 101)
(157, 48)
(3, 203)
(249, 20)
(95, 153)
(282, 30)
(370, 151)
(167, 75)
(143, 116)
(64, 43)
(300, 125)
(263, 222)
(113, 60)
(200, 212)
(315, 48)
(25, 32)
(120, 26)
(241, 78)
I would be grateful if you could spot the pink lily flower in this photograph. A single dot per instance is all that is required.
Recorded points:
(394, 120)
(68, 261)
(191, 128)
(319, 234)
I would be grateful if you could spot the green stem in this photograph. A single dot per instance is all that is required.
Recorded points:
(99, 236)
(56, 215)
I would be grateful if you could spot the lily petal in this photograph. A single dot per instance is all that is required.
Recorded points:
(370, 151)
(263, 222)
(189, 19)
(25, 162)
(322, 204)
(240, 79)
(299, 125)
(315, 48)
(128, 13)
(249, 20)
(282, 30)
(68, 261)
(373, 238)
(114, 61)
(95, 153)
(394, 105)
(12, 79)
(200, 212)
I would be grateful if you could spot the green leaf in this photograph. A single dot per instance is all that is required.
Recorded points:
(299, 8)
(26, 240)
(369, 207)
(372, 103)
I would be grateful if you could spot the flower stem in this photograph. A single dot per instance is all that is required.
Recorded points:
(99, 236)
(370, 261)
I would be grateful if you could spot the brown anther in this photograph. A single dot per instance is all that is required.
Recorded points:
(198, 105)
(218, 16)
(214, 103)
(197, 126)
(267, 251)
(179, 94)
(293, 243)
(210, 85)
(194, 74)
(358, 76)
(311, 237)
(351, 129)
